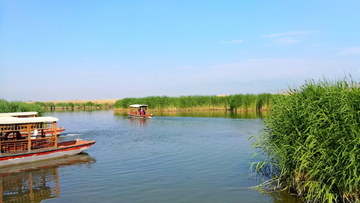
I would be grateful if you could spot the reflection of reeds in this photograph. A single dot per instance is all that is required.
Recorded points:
(239, 102)
(311, 142)
(7, 107)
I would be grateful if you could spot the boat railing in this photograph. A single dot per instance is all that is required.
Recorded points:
(22, 145)
(14, 146)
(135, 112)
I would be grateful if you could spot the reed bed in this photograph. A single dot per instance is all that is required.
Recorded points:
(311, 142)
(238, 102)
(18, 106)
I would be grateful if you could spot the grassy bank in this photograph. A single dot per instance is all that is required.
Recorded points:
(311, 142)
(7, 107)
(239, 102)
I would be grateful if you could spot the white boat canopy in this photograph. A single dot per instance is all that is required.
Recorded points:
(137, 105)
(31, 113)
(13, 120)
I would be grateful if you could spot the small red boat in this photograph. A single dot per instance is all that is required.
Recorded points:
(139, 111)
(16, 149)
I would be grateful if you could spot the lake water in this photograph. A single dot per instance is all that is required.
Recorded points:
(175, 157)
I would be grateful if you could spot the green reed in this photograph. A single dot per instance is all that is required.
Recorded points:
(231, 102)
(311, 142)
(17, 106)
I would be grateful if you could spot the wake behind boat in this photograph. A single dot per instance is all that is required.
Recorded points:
(139, 111)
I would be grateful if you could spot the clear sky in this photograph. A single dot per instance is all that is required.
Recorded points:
(72, 49)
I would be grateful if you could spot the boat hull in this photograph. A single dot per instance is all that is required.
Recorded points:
(139, 116)
(62, 150)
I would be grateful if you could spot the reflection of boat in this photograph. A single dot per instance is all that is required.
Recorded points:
(139, 122)
(139, 111)
(16, 149)
(35, 182)
(48, 131)
(78, 159)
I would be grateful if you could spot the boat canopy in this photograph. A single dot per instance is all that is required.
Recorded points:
(31, 113)
(137, 105)
(13, 120)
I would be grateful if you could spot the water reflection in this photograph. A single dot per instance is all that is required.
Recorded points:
(135, 122)
(211, 114)
(284, 197)
(35, 182)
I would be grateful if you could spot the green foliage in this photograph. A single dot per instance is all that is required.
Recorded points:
(89, 104)
(232, 102)
(50, 105)
(311, 142)
(8, 107)
(42, 104)
(61, 105)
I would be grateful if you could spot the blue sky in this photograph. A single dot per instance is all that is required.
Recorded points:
(64, 50)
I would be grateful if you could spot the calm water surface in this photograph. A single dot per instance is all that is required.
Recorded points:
(171, 158)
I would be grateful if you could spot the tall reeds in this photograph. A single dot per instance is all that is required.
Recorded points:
(311, 142)
(17, 106)
(231, 102)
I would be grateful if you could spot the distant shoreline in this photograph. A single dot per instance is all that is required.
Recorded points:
(95, 101)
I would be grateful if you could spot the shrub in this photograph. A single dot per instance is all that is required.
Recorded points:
(17, 106)
(311, 142)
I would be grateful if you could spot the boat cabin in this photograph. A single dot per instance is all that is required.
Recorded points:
(12, 140)
(32, 114)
